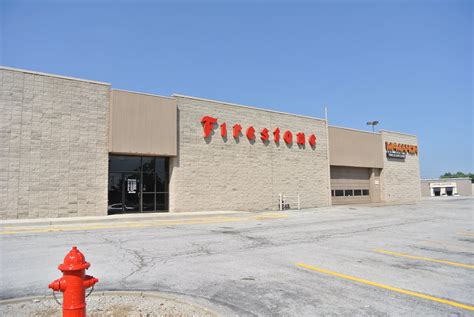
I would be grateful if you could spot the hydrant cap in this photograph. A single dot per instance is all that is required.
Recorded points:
(74, 261)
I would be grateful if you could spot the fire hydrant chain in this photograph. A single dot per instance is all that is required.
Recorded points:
(56, 299)
(73, 284)
(60, 304)
(90, 292)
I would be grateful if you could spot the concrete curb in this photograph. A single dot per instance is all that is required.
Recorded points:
(186, 300)
(113, 218)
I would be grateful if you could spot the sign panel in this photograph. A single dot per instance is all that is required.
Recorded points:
(447, 184)
(131, 186)
(400, 151)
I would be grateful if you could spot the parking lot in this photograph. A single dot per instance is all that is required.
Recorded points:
(405, 260)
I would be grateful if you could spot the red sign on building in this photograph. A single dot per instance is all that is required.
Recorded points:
(209, 123)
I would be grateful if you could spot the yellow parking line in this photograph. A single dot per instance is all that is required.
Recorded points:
(391, 288)
(424, 259)
(468, 234)
(160, 223)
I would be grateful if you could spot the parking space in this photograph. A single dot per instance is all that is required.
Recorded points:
(410, 260)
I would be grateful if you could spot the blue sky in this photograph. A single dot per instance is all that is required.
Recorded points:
(407, 64)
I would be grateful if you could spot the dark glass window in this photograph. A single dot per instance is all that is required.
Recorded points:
(148, 164)
(332, 193)
(137, 184)
(357, 192)
(348, 192)
(339, 192)
(161, 175)
(119, 163)
(365, 192)
(148, 183)
(162, 201)
(149, 202)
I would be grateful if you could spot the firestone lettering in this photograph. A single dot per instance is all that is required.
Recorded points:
(209, 123)
(264, 135)
(300, 138)
(224, 130)
(236, 130)
(250, 133)
(276, 135)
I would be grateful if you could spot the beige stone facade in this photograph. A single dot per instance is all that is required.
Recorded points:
(400, 179)
(57, 137)
(53, 146)
(225, 174)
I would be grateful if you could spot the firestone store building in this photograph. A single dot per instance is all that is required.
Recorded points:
(72, 147)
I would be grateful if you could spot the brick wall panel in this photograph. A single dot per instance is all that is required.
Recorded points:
(215, 174)
(53, 146)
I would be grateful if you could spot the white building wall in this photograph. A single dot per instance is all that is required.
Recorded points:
(218, 174)
(400, 179)
(53, 146)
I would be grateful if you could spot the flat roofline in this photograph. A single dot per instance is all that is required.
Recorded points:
(357, 130)
(444, 179)
(396, 132)
(247, 107)
(143, 93)
(53, 75)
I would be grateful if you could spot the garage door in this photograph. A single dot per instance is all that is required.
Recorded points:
(350, 185)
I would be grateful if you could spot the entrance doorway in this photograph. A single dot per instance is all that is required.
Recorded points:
(137, 184)
(449, 191)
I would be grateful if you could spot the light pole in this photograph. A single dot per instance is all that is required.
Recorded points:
(372, 123)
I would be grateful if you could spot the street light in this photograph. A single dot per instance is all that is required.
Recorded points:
(372, 123)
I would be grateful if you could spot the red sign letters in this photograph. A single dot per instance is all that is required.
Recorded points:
(209, 123)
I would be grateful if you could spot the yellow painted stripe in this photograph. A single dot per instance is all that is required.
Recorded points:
(391, 288)
(468, 234)
(424, 259)
(160, 223)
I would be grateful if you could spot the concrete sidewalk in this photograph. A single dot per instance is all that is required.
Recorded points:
(167, 215)
(114, 218)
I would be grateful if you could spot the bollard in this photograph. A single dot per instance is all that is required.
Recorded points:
(74, 283)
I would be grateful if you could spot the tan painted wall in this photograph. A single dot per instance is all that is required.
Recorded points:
(463, 185)
(143, 124)
(400, 179)
(53, 146)
(218, 174)
(355, 148)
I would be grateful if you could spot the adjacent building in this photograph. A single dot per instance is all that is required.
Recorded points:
(446, 187)
(71, 147)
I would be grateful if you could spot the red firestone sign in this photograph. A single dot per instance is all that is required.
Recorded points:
(209, 123)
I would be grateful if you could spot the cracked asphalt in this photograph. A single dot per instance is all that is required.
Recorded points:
(248, 268)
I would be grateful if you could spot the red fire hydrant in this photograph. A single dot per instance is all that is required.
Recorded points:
(74, 283)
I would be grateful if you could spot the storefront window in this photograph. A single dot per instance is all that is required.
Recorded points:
(137, 184)
(118, 163)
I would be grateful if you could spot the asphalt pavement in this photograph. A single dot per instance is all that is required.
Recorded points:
(405, 260)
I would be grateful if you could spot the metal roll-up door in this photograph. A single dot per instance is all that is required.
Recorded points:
(350, 185)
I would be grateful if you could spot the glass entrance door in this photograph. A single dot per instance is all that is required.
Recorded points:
(138, 184)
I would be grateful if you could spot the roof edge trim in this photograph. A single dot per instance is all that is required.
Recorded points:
(53, 75)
